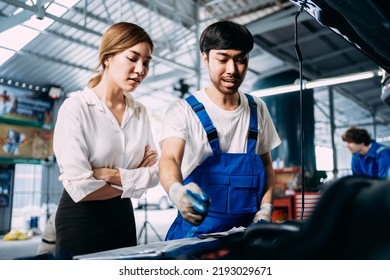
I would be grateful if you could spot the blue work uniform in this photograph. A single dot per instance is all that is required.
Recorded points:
(375, 164)
(233, 181)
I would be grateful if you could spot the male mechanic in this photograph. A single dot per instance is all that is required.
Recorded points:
(215, 162)
(369, 158)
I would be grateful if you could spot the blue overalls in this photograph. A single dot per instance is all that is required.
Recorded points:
(234, 182)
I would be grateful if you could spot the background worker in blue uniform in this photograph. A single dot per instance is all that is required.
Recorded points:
(216, 144)
(369, 158)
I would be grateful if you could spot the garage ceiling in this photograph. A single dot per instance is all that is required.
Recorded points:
(65, 53)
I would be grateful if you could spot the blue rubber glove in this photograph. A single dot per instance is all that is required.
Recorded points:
(200, 202)
(191, 202)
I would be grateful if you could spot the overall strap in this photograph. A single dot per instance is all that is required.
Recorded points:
(253, 130)
(208, 126)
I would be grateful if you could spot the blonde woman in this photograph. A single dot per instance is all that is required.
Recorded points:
(105, 149)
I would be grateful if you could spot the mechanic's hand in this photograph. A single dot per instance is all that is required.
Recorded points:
(150, 157)
(191, 201)
(264, 215)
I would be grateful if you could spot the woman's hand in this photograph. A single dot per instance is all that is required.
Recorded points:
(150, 158)
(110, 175)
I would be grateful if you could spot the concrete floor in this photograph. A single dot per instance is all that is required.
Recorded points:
(158, 222)
(10, 250)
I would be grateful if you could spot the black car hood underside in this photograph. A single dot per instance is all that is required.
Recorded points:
(364, 23)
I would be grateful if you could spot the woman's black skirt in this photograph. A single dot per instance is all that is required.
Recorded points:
(93, 226)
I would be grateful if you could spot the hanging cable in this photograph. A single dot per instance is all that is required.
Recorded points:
(299, 57)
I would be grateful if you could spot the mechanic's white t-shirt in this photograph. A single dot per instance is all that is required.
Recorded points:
(232, 126)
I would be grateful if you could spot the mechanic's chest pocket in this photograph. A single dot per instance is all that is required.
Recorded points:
(233, 194)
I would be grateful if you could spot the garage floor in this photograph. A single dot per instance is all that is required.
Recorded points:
(158, 222)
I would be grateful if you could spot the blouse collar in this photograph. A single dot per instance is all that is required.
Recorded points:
(93, 100)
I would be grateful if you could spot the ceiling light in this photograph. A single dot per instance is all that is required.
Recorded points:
(315, 84)
(340, 80)
(275, 90)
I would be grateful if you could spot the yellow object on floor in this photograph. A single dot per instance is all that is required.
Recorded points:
(16, 234)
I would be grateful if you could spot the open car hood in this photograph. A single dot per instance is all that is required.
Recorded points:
(364, 23)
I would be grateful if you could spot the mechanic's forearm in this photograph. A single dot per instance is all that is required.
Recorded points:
(269, 186)
(169, 173)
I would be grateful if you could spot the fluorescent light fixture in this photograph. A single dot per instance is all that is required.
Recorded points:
(275, 90)
(314, 84)
(340, 80)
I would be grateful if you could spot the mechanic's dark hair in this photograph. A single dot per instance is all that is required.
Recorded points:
(356, 135)
(225, 35)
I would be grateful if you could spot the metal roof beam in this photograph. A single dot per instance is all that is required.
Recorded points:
(53, 17)
(171, 63)
(184, 10)
(278, 20)
(19, 18)
(45, 57)
(162, 77)
(304, 38)
(12, 21)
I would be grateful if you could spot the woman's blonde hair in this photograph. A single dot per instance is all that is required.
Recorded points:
(119, 37)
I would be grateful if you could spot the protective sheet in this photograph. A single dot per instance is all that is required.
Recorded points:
(166, 249)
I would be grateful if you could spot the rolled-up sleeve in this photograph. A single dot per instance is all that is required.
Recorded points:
(136, 181)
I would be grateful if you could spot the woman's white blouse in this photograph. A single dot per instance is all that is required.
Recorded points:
(87, 136)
